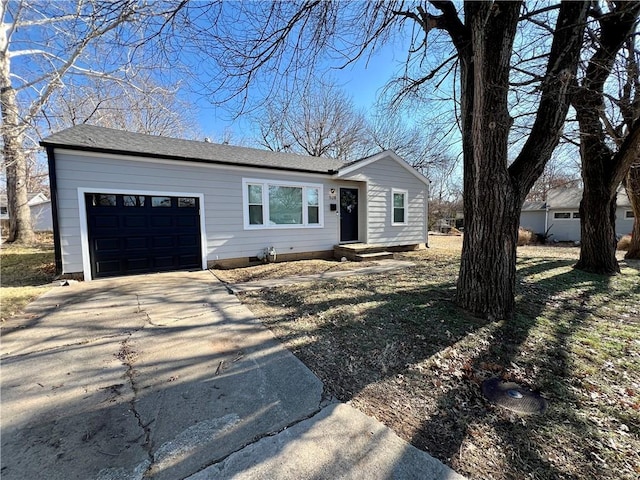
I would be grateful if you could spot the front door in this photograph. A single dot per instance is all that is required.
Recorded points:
(348, 214)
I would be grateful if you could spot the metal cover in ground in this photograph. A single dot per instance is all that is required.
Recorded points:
(513, 397)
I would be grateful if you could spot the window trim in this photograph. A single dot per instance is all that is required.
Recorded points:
(628, 215)
(405, 194)
(570, 217)
(265, 184)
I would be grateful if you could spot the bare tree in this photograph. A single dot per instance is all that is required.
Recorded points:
(560, 171)
(283, 43)
(319, 122)
(608, 146)
(142, 107)
(41, 45)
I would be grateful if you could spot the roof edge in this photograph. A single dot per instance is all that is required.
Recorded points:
(128, 153)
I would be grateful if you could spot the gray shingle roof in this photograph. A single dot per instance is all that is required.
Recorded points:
(108, 140)
(533, 206)
(570, 198)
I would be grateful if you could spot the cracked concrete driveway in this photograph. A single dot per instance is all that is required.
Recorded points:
(168, 376)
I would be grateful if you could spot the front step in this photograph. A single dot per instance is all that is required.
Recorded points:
(370, 257)
(361, 252)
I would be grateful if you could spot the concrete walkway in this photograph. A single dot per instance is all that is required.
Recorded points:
(168, 376)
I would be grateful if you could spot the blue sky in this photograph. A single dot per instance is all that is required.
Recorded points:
(363, 80)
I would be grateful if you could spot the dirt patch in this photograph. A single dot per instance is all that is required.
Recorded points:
(285, 269)
(395, 345)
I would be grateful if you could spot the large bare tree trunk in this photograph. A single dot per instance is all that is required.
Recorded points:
(603, 169)
(20, 228)
(486, 282)
(597, 229)
(493, 190)
(632, 185)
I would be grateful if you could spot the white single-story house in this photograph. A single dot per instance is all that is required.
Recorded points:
(126, 203)
(561, 217)
(40, 207)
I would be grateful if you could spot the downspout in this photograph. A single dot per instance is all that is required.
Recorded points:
(53, 189)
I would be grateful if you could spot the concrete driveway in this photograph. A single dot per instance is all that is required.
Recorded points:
(168, 376)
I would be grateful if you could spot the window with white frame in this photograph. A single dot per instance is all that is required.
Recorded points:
(628, 214)
(562, 215)
(399, 207)
(274, 204)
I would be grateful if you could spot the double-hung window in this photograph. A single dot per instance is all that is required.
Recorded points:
(399, 207)
(274, 204)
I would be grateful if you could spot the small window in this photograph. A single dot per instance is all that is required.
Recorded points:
(103, 200)
(629, 214)
(255, 205)
(576, 214)
(160, 201)
(3, 210)
(186, 202)
(399, 207)
(562, 215)
(133, 200)
(313, 206)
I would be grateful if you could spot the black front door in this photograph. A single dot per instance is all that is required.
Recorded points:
(348, 214)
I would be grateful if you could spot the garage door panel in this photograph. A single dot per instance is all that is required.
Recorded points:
(106, 221)
(108, 267)
(161, 221)
(164, 262)
(138, 264)
(163, 242)
(187, 240)
(134, 221)
(151, 234)
(185, 221)
(135, 243)
(107, 245)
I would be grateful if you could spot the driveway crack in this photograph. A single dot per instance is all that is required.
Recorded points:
(127, 355)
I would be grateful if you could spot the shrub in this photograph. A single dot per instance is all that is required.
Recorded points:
(525, 237)
(624, 243)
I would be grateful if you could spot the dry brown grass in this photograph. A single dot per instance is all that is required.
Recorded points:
(25, 273)
(284, 269)
(396, 346)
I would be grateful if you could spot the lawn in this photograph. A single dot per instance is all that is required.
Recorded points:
(25, 273)
(395, 346)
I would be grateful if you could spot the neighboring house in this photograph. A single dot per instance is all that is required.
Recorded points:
(128, 203)
(561, 217)
(40, 207)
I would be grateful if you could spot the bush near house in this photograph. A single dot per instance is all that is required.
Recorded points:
(624, 243)
(525, 237)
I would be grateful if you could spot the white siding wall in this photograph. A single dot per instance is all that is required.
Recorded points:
(624, 225)
(533, 220)
(381, 177)
(41, 217)
(222, 206)
(564, 230)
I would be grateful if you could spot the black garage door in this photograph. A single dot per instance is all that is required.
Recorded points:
(131, 234)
